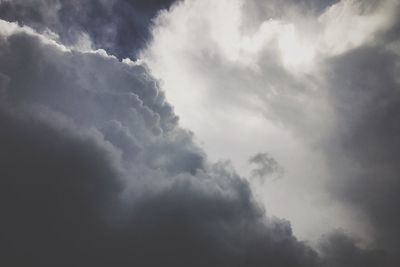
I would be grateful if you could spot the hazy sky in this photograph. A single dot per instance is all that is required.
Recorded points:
(200, 133)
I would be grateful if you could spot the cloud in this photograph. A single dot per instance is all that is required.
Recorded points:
(118, 26)
(97, 172)
(366, 99)
(265, 166)
(339, 249)
(325, 79)
(251, 99)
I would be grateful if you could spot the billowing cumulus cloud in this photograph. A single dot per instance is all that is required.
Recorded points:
(118, 26)
(97, 171)
(240, 73)
(323, 76)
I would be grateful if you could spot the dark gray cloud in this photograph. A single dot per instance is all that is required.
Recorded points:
(366, 94)
(265, 165)
(119, 26)
(96, 172)
(56, 188)
(341, 250)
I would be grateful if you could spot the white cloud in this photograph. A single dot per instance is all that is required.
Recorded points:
(244, 90)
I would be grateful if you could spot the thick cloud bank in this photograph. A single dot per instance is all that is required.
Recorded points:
(367, 99)
(96, 171)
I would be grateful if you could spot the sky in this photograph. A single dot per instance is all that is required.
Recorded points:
(200, 133)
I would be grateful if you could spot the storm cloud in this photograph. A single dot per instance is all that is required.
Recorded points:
(367, 100)
(96, 169)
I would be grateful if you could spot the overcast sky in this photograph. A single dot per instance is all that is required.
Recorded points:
(200, 133)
